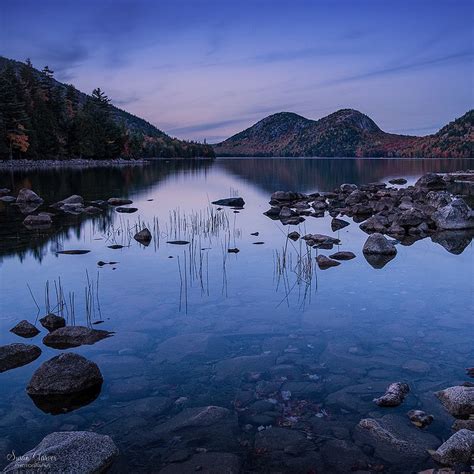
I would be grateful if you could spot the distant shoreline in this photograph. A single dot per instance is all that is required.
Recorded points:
(6, 165)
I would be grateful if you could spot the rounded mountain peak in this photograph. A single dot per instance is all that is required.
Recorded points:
(351, 117)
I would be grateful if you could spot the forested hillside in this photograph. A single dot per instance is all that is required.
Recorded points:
(41, 118)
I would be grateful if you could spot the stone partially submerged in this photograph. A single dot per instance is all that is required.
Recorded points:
(16, 355)
(456, 215)
(74, 336)
(25, 329)
(324, 262)
(40, 221)
(64, 383)
(52, 322)
(230, 202)
(74, 452)
(144, 237)
(377, 244)
(458, 449)
(458, 400)
(394, 395)
(27, 196)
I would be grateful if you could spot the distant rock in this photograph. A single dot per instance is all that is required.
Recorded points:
(17, 355)
(24, 329)
(144, 237)
(178, 242)
(343, 255)
(458, 449)
(4, 191)
(431, 181)
(115, 246)
(8, 199)
(52, 321)
(65, 374)
(126, 210)
(377, 244)
(27, 196)
(458, 400)
(230, 202)
(73, 252)
(74, 336)
(74, 452)
(394, 395)
(398, 181)
(325, 262)
(233, 250)
(456, 215)
(119, 201)
(40, 221)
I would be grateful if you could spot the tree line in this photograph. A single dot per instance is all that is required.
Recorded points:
(43, 119)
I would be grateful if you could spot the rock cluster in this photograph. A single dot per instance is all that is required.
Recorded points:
(407, 214)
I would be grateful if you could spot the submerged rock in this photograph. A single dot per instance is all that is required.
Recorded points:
(27, 195)
(463, 424)
(178, 242)
(458, 400)
(233, 250)
(419, 418)
(456, 215)
(377, 244)
(16, 355)
(144, 237)
(65, 374)
(74, 336)
(194, 417)
(394, 395)
(458, 449)
(209, 463)
(74, 452)
(24, 329)
(52, 321)
(119, 201)
(325, 262)
(231, 202)
(343, 255)
(115, 246)
(394, 441)
(8, 199)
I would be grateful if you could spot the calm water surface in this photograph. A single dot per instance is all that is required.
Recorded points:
(186, 318)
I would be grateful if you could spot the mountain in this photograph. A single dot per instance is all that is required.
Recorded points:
(345, 133)
(41, 117)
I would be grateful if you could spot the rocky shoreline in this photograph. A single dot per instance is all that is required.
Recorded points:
(7, 165)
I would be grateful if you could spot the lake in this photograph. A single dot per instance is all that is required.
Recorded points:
(262, 333)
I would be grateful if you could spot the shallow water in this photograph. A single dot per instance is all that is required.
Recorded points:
(332, 338)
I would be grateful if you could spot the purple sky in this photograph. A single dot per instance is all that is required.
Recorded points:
(208, 69)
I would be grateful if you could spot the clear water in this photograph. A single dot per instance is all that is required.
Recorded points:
(175, 319)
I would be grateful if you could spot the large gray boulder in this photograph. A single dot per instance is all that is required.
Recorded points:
(74, 336)
(458, 449)
(456, 215)
(27, 195)
(72, 452)
(65, 374)
(458, 400)
(377, 244)
(17, 355)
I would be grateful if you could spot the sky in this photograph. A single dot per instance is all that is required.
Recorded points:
(206, 69)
